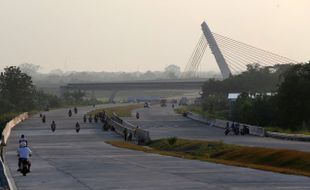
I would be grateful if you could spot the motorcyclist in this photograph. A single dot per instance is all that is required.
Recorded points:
(70, 113)
(23, 154)
(53, 126)
(43, 118)
(23, 139)
(96, 118)
(85, 118)
(227, 128)
(137, 115)
(75, 110)
(77, 127)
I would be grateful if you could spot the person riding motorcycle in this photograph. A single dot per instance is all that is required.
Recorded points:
(77, 127)
(75, 110)
(23, 139)
(137, 115)
(70, 113)
(43, 118)
(90, 119)
(84, 118)
(23, 154)
(53, 126)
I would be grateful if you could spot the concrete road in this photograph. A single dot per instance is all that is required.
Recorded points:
(67, 160)
(164, 122)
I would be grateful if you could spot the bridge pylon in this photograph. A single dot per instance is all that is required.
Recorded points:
(220, 60)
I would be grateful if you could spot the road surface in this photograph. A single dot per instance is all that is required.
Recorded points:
(164, 122)
(83, 161)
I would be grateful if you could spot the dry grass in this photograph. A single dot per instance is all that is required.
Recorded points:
(276, 160)
(122, 111)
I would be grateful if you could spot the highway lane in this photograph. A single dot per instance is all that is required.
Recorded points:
(164, 122)
(83, 161)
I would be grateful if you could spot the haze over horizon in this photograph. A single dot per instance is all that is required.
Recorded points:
(140, 35)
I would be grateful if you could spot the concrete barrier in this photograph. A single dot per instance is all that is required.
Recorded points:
(253, 130)
(200, 118)
(8, 127)
(5, 175)
(285, 136)
(140, 135)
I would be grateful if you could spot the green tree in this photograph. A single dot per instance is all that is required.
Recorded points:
(294, 97)
(16, 89)
(255, 79)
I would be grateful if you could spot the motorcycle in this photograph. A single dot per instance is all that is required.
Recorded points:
(70, 113)
(53, 128)
(75, 110)
(137, 115)
(25, 167)
(226, 131)
(84, 119)
(43, 119)
(77, 127)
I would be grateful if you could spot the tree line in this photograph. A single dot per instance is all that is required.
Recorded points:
(18, 94)
(270, 96)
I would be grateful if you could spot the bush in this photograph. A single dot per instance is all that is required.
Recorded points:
(172, 140)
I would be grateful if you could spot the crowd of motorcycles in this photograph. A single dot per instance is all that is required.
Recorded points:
(99, 116)
(235, 129)
(102, 116)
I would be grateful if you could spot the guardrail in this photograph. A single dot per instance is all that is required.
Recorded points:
(5, 175)
(140, 135)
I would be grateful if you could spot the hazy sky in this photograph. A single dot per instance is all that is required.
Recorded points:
(129, 35)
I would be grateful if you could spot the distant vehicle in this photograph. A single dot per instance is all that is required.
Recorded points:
(146, 104)
(183, 101)
(163, 102)
(174, 101)
(46, 108)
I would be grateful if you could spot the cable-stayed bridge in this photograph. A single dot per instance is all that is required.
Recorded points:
(231, 56)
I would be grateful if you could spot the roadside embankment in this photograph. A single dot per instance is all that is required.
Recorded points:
(121, 111)
(276, 160)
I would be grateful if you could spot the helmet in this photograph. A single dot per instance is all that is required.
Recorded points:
(22, 136)
(23, 144)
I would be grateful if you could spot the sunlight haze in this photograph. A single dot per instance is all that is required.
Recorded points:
(141, 35)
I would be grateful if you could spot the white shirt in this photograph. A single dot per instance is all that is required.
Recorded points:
(24, 152)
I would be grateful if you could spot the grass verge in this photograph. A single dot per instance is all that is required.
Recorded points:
(122, 111)
(276, 160)
(288, 131)
(200, 111)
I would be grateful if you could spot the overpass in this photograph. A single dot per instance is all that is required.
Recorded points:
(114, 87)
(138, 85)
